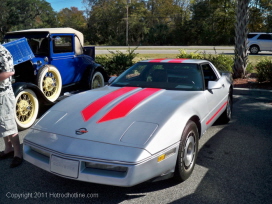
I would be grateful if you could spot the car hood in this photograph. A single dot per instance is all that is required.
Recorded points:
(126, 116)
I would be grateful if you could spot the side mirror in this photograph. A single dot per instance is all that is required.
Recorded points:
(112, 79)
(214, 85)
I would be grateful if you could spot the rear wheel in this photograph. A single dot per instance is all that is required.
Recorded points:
(254, 49)
(50, 82)
(27, 107)
(97, 80)
(187, 153)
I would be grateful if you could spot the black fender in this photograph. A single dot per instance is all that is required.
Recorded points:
(90, 70)
(20, 86)
(98, 67)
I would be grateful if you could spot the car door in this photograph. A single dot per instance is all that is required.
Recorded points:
(265, 42)
(63, 56)
(216, 98)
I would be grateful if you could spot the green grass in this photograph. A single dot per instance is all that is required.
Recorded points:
(145, 48)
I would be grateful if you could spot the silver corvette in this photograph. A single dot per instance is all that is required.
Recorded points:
(143, 126)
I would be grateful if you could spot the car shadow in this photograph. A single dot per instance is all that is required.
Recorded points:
(238, 159)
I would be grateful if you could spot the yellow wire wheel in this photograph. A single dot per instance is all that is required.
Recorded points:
(27, 107)
(50, 82)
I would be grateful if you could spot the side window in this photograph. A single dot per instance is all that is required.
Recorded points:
(251, 35)
(265, 37)
(62, 44)
(208, 73)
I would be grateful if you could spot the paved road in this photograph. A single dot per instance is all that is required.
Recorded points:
(229, 50)
(234, 166)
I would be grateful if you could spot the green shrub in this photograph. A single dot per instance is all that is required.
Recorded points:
(192, 55)
(264, 70)
(250, 68)
(117, 62)
(221, 62)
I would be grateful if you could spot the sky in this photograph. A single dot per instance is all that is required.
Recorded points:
(57, 5)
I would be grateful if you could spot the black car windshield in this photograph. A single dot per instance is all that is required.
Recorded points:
(171, 76)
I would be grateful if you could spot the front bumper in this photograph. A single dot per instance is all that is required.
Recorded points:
(77, 167)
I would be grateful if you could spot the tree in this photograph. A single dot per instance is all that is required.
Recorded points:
(213, 22)
(260, 14)
(241, 31)
(138, 23)
(24, 14)
(107, 22)
(73, 18)
(160, 18)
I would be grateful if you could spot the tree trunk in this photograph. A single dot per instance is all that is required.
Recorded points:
(241, 31)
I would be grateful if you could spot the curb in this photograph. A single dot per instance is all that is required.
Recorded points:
(253, 92)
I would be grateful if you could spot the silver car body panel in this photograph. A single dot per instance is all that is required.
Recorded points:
(72, 134)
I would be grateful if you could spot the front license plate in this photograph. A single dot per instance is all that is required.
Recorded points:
(65, 167)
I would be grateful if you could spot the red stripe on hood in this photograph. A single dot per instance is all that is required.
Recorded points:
(97, 105)
(124, 107)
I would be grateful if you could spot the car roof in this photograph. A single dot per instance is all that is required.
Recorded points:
(175, 60)
(53, 31)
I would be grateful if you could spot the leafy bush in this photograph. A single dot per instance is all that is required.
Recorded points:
(264, 70)
(117, 62)
(192, 55)
(221, 62)
(250, 68)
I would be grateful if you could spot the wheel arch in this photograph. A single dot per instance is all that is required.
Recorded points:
(255, 45)
(196, 120)
(103, 72)
(46, 65)
(90, 70)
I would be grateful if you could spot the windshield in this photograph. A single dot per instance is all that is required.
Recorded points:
(38, 44)
(171, 76)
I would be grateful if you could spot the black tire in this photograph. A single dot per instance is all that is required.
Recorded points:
(187, 153)
(97, 80)
(26, 109)
(226, 115)
(50, 82)
(254, 49)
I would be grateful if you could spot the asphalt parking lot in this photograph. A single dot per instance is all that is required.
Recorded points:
(234, 165)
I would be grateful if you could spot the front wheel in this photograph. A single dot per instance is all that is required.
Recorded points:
(27, 108)
(97, 80)
(254, 49)
(187, 153)
(50, 82)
